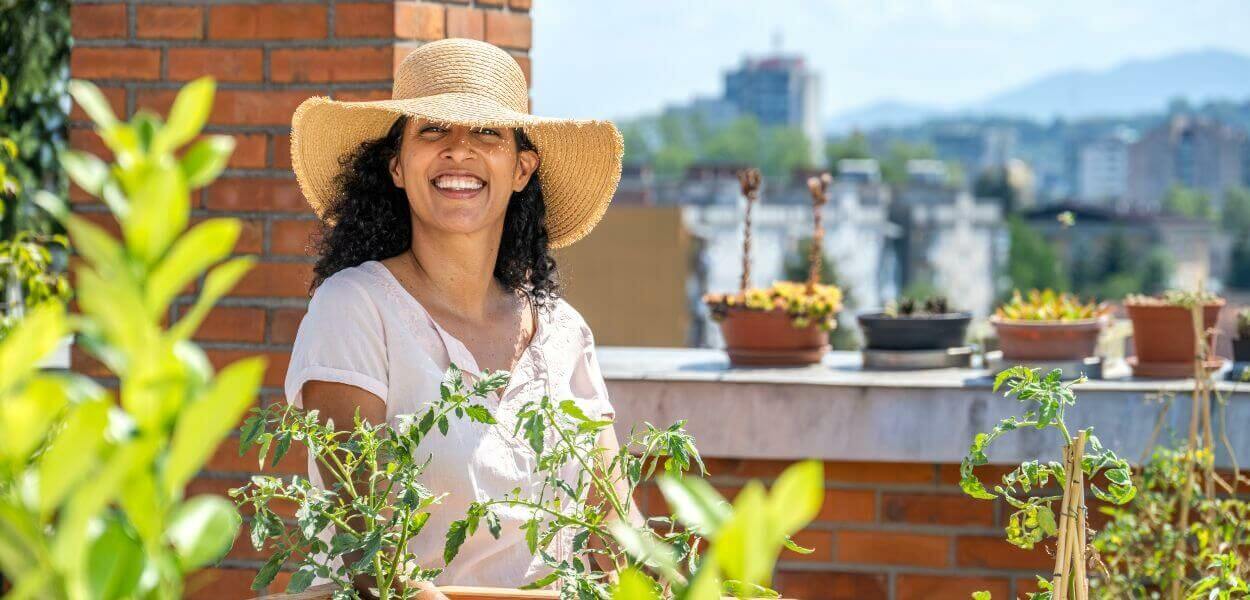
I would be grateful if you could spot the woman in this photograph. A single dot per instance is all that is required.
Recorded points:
(439, 209)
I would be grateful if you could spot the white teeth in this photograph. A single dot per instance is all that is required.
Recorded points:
(458, 182)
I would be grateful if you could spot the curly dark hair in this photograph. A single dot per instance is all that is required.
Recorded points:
(368, 219)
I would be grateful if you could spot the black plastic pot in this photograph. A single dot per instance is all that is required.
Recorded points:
(935, 332)
(1241, 350)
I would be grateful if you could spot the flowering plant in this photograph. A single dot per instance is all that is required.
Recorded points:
(815, 304)
(1049, 305)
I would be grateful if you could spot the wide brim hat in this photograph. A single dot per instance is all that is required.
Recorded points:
(473, 83)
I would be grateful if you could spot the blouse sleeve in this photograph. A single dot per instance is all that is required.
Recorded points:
(340, 340)
(587, 381)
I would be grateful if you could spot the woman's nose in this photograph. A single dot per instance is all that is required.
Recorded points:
(459, 144)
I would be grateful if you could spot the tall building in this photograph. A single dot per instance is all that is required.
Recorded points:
(1102, 169)
(1195, 152)
(778, 90)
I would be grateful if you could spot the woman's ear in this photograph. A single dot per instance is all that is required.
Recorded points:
(526, 164)
(396, 168)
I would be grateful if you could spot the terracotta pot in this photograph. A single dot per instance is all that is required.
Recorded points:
(1165, 334)
(935, 332)
(1047, 340)
(768, 338)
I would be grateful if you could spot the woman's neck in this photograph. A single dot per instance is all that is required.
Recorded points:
(459, 270)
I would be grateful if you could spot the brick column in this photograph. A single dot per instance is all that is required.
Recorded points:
(267, 57)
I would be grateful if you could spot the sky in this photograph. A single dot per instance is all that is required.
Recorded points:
(622, 58)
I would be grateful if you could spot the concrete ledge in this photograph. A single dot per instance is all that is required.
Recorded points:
(837, 411)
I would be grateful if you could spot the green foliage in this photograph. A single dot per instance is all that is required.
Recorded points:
(744, 539)
(1047, 399)
(1031, 261)
(1047, 305)
(375, 504)
(1115, 268)
(1185, 202)
(1137, 545)
(672, 142)
(91, 486)
(1235, 216)
(1243, 324)
(593, 507)
(26, 262)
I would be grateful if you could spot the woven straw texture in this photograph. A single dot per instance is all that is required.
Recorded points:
(467, 82)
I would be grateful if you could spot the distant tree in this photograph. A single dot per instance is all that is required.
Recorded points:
(894, 165)
(1186, 202)
(1239, 271)
(1031, 261)
(785, 150)
(1235, 218)
(1156, 273)
(854, 146)
(637, 149)
(993, 183)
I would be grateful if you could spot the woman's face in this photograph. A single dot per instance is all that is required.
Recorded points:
(459, 179)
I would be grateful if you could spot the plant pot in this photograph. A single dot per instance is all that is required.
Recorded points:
(935, 332)
(767, 338)
(1047, 340)
(1241, 350)
(1164, 334)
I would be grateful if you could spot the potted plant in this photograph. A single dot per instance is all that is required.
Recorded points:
(912, 324)
(787, 323)
(1045, 325)
(1164, 335)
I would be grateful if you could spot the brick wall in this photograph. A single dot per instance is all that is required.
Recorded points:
(267, 57)
(892, 531)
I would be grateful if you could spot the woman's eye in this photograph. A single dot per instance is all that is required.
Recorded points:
(490, 132)
(431, 129)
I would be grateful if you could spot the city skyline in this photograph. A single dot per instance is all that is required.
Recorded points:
(936, 53)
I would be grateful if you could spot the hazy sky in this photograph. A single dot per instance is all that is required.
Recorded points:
(618, 58)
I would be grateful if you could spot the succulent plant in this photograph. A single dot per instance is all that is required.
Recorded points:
(1173, 298)
(912, 307)
(1048, 305)
(818, 306)
(1243, 324)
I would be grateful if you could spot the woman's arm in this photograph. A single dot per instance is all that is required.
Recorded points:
(338, 402)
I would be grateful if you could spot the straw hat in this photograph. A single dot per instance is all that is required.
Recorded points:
(474, 83)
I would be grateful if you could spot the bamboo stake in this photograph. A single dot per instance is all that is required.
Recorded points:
(1082, 582)
(749, 179)
(819, 188)
(1070, 550)
(1059, 579)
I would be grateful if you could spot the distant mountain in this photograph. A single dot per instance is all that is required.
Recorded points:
(1131, 87)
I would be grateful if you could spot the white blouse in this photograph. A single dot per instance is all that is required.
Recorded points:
(364, 329)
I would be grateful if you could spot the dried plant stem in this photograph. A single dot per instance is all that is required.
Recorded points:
(1070, 550)
(819, 188)
(749, 179)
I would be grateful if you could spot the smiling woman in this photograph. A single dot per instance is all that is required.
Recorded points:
(439, 209)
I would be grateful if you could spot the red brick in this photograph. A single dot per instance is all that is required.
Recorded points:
(251, 237)
(420, 21)
(88, 21)
(820, 542)
(932, 587)
(935, 509)
(115, 63)
(519, 4)
(490, 2)
(214, 584)
(358, 96)
(281, 151)
(291, 237)
(283, 325)
(267, 21)
(256, 194)
(105, 221)
(509, 30)
(257, 107)
(85, 364)
(116, 97)
(224, 64)
(86, 140)
(336, 64)
(892, 548)
(267, 279)
(825, 585)
(747, 468)
(848, 506)
(465, 23)
(995, 553)
(363, 19)
(169, 22)
(275, 371)
(233, 324)
(249, 151)
(872, 472)
(948, 474)
(227, 458)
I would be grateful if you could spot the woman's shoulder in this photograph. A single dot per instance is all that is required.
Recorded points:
(350, 287)
(568, 321)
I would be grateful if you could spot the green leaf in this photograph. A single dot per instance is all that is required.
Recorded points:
(1046, 520)
(982, 595)
(251, 430)
(203, 245)
(92, 102)
(571, 409)
(268, 571)
(218, 282)
(160, 208)
(207, 419)
(792, 546)
(114, 562)
(26, 417)
(741, 589)
(73, 453)
(644, 547)
(634, 585)
(300, 580)
(456, 534)
(695, 503)
(34, 337)
(796, 496)
(479, 413)
(206, 159)
(531, 536)
(746, 547)
(86, 170)
(187, 116)
(542, 582)
(202, 530)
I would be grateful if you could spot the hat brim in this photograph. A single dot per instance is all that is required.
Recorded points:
(579, 172)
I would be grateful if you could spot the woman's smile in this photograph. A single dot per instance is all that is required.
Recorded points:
(458, 185)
